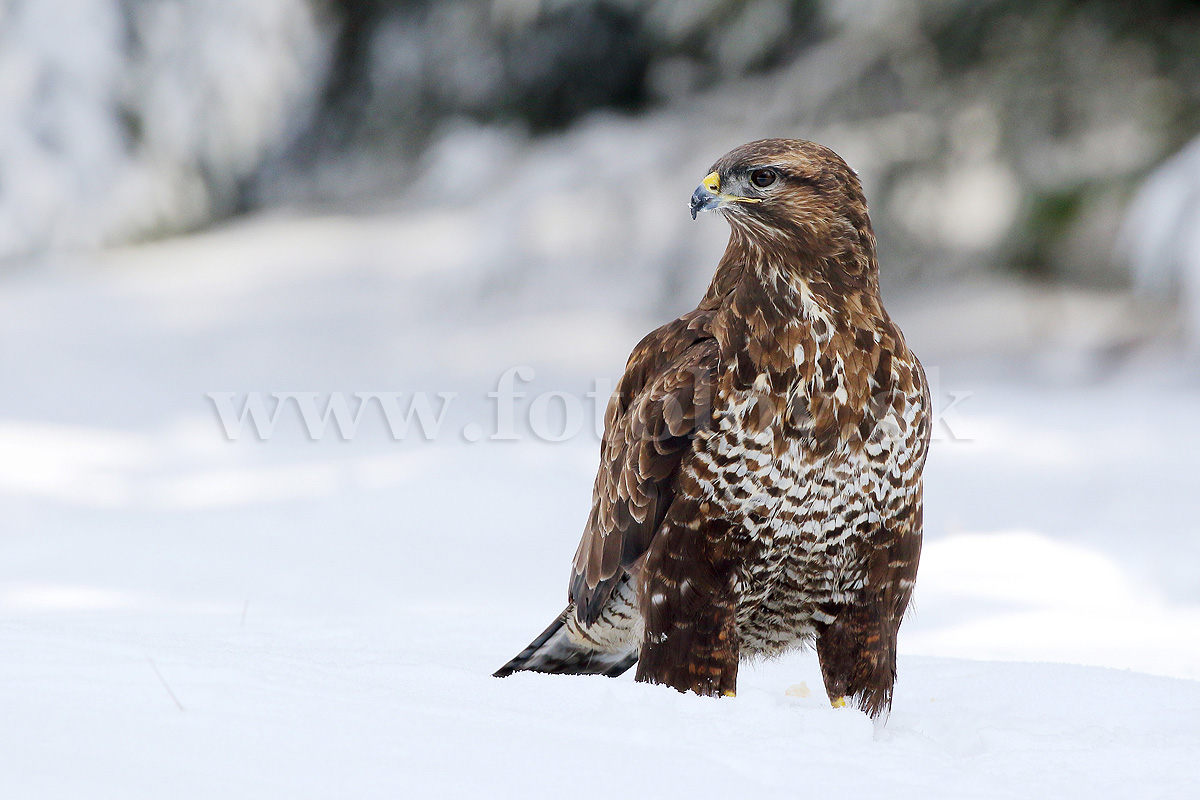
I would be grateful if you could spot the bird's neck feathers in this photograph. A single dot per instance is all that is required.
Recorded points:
(838, 273)
(791, 314)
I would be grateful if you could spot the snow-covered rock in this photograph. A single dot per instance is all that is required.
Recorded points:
(121, 120)
(1161, 234)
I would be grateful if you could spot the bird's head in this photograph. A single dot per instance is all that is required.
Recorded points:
(789, 193)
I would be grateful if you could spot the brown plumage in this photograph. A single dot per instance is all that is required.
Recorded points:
(760, 476)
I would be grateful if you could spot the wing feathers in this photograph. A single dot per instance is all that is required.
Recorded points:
(663, 398)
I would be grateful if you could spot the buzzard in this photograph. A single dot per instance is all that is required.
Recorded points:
(760, 476)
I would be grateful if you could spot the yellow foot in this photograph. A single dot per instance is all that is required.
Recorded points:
(729, 693)
(838, 702)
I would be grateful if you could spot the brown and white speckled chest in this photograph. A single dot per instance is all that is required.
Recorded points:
(807, 507)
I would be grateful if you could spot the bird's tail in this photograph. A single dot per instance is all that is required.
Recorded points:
(565, 649)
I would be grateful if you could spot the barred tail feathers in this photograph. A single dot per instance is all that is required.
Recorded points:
(565, 648)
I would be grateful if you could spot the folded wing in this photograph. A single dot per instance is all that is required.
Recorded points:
(663, 399)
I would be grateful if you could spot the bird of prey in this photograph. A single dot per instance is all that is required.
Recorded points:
(760, 475)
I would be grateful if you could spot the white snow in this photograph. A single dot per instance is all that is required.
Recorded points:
(327, 613)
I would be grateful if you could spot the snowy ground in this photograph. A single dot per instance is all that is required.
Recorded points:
(182, 615)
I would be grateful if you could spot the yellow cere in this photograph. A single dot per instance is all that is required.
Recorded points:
(712, 182)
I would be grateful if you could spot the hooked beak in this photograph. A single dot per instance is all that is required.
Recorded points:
(708, 195)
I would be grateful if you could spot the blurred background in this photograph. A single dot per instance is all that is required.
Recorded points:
(415, 196)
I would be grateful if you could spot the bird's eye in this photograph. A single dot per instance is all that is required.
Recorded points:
(763, 178)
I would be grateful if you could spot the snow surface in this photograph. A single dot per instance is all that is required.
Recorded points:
(185, 616)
